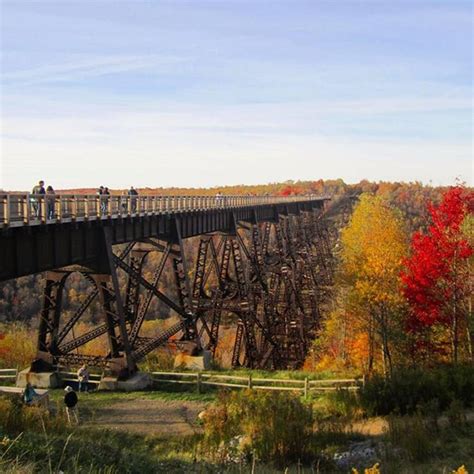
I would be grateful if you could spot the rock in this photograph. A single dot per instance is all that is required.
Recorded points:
(361, 452)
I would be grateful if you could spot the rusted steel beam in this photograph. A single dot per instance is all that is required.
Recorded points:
(267, 278)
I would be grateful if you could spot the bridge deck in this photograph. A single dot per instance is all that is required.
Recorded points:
(41, 232)
(20, 209)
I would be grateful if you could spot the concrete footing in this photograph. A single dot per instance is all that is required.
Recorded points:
(108, 383)
(193, 362)
(37, 379)
(138, 381)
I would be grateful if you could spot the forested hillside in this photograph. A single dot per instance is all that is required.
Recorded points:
(404, 287)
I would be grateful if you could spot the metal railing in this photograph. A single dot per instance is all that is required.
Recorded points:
(18, 209)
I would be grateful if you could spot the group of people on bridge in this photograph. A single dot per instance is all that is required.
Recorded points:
(49, 198)
(104, 194)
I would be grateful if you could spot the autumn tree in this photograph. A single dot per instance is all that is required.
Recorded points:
(373, 246)
(438, 276)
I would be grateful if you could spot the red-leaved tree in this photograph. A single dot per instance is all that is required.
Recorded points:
(438, 279)
(291, 190)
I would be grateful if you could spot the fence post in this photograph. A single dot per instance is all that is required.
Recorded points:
(250, 384)
(306, 387)
(198, 382)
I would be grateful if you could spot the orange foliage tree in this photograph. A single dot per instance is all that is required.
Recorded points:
(373, 247)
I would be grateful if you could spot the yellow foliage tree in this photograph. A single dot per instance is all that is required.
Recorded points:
(373, 246)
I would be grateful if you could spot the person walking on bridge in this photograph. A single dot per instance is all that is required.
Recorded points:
(100, 193)
(133, 193)
(105, 200)
(50, 202)
(35, 201)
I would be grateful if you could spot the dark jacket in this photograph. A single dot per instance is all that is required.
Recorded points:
(38, 190)
(70, 399)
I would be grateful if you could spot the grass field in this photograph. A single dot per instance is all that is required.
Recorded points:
(408, 446)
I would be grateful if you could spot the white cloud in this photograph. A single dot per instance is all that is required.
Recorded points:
(85, 68)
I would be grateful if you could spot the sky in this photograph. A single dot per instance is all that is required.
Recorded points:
(208, 93)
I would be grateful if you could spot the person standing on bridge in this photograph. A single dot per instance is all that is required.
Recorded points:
(70, 400)
(50, 201)
(35, 201)
(105, 200)
(133, 193)
(100, 193)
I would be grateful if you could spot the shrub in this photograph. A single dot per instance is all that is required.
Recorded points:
(409, 389)
(456, 416)
(412, 435)
(342, 404)
(15, 417)
(17, 346)
(272, 426)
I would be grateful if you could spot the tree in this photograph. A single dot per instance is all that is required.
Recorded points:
(373, 246)
(437, 276)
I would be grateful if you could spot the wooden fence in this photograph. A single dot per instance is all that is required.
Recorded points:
(8, 375)
(200, 379)
(94, 379)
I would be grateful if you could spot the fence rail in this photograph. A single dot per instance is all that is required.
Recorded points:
(94, 379)
(200, 379)
(18, 209)
(235, 381)
(8, 375)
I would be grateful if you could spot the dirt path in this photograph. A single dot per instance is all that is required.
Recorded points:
(145, 416)
(178, 417)
(377, 426)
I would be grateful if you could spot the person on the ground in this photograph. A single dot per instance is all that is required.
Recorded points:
(83, 378)
(35, 200)
(133, 193)
(29, 395)
(70, 400)
(50, 201)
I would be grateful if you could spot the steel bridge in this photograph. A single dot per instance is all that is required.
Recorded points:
(262, 264)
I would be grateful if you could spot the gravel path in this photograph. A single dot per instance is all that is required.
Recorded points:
(145, 416)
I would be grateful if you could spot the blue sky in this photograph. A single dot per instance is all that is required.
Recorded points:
(207, 93)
